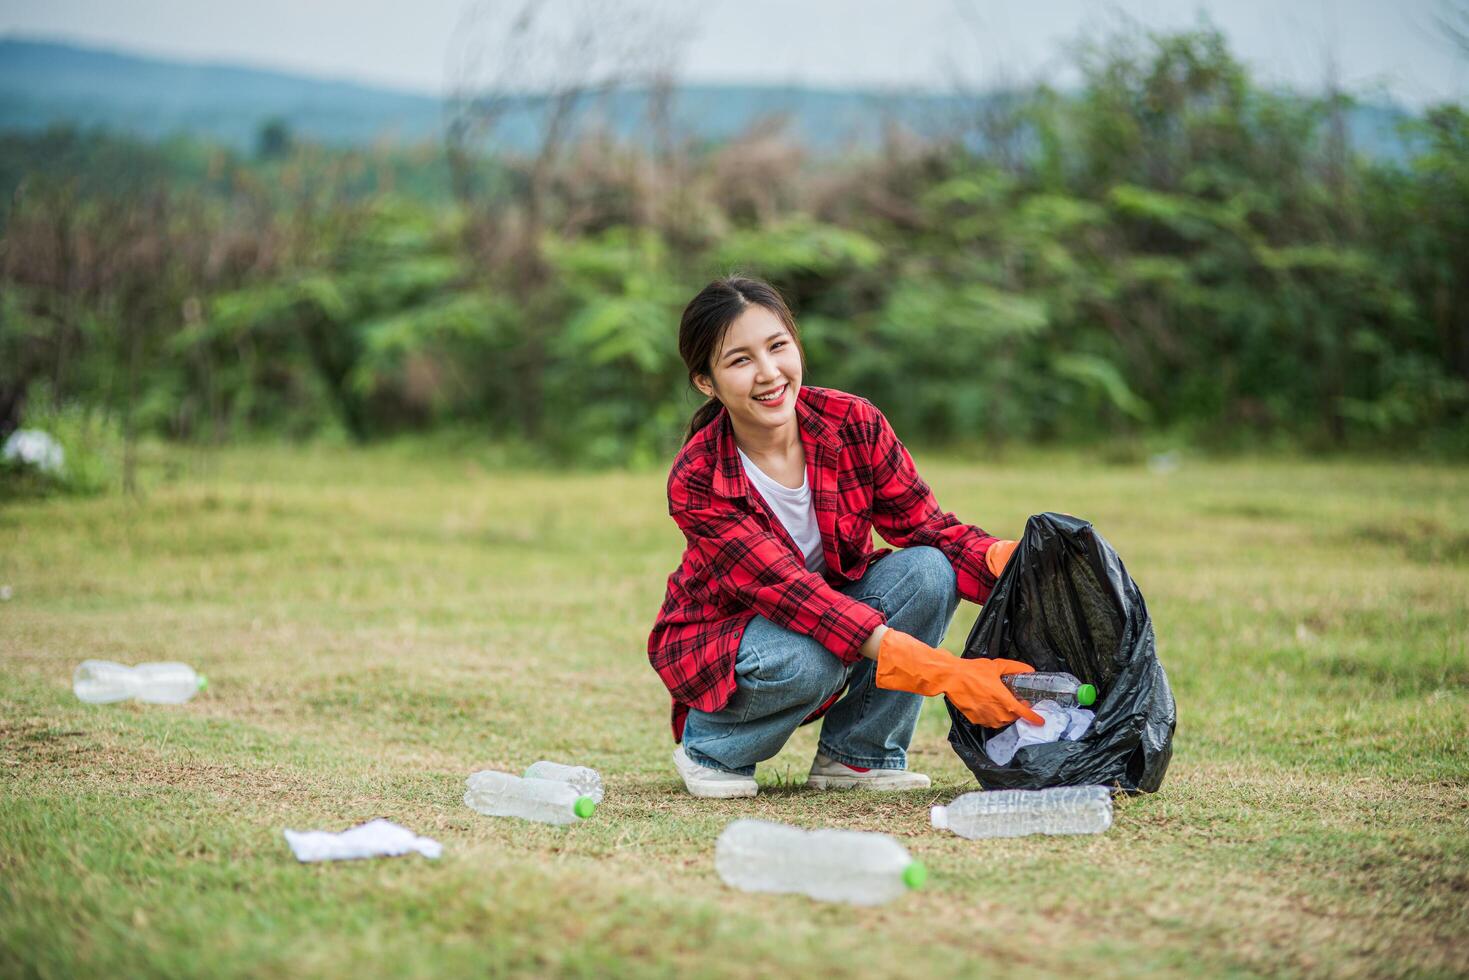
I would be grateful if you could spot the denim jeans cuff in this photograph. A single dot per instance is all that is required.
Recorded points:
(898, 761)
(709, 763)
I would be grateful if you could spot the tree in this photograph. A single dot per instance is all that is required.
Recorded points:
(274, 140)
(544, 65)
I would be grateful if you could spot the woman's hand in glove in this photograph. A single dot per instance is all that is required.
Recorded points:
(998, 556)
(906, 663)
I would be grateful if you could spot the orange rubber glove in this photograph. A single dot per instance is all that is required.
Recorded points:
(999, 556)
(906, 663)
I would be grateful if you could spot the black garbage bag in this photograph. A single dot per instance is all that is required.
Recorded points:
(1065, 602)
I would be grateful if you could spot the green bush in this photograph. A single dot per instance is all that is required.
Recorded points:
(1173, 251)
(92, 444)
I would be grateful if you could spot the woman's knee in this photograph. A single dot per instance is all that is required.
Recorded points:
(932, 575)
(791, 669)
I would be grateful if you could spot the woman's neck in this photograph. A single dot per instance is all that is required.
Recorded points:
(781, 443)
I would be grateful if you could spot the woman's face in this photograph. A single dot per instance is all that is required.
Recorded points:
(757, 357)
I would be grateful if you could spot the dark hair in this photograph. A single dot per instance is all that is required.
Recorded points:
(707, 319)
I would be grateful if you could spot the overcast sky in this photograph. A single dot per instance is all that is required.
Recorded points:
(1391, 47)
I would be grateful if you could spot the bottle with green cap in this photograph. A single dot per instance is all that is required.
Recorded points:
(103, 682)
(503, 794)
(1065, 689)
(1019, 812)
(585, 780)
(830, 865)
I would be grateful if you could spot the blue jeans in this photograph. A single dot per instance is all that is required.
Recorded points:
(783, 676)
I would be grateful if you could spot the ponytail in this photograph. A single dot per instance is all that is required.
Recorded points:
(703, 415)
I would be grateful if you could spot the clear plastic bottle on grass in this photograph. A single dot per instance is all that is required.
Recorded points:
(103, 682)
(503, 794)
(1018, 812)
(1065, 689)
(830, 865)
(587, 782)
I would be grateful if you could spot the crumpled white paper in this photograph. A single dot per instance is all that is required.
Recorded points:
(378, 838)
(1061, 723)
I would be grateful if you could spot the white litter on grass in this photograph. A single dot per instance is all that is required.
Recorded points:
(35, 448)
(6, 593)
(379, 838)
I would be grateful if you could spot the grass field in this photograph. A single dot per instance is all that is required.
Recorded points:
(376, 625)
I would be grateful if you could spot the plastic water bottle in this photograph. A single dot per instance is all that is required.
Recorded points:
(830, 865)
(102, 682)
(587, 782)
(503, 794)
(1017, 812)
(1065, 689)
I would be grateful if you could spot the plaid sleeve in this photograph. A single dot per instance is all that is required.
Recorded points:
(751, 565)
(905, 513)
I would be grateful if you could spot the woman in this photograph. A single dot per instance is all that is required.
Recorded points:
(781, 603)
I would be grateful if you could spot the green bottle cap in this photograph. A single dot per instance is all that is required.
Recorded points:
(584, 807)
(1085, 695)
(203, 682)
(915, 874)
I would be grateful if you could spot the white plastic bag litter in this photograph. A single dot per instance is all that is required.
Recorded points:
(35, 448)
(379, 838)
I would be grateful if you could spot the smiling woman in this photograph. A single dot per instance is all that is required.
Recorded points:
(781, 604)
(756, 377)
(720, 326)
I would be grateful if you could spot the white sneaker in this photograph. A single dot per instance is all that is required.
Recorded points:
(830, 774)
(711, 784)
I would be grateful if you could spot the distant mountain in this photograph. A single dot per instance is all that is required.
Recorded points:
(44, 83)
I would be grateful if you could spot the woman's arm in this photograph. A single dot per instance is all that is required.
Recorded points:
(873, 643)
(905, 513)
(755, 568)
(906, 663)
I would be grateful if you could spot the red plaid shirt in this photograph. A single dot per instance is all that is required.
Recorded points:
(740, 561)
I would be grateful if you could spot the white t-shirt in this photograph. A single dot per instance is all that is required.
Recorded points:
(794, 509)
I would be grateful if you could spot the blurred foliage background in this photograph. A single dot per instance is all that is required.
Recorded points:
(1173, 255)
